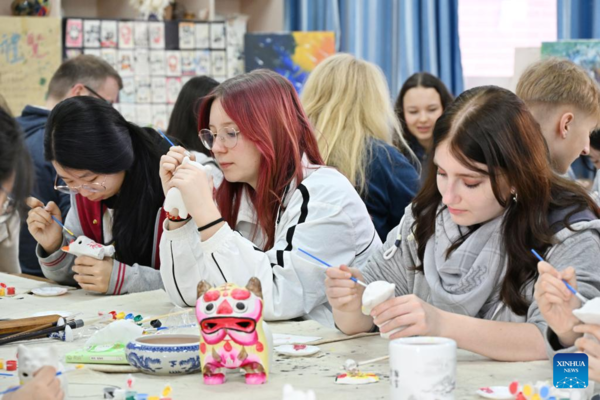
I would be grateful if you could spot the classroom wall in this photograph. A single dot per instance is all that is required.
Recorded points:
(264, 15)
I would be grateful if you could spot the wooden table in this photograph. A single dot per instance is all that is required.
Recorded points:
(316, 372)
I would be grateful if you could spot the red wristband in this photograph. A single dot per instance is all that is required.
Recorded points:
(174, 218)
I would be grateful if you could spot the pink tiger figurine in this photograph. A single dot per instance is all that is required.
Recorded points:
(233, 333)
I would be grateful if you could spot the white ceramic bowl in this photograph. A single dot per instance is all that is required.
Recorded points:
(165, 354)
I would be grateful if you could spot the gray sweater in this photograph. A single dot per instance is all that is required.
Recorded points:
(580, 249)
(124, 278)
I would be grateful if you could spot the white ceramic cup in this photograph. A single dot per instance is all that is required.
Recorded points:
(422, 368)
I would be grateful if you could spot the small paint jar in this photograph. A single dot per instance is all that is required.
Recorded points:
(121, 315)
(10, 291)
(2, 292)
(3, 285)
(11, 365)
(129, 316)
(1, 363)
(155, 323)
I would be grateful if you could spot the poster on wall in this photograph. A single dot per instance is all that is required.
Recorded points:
(156, 33)
(155, 58)
(30, 53)
(217, 35)
(108, 29)
(126, 35)
(111, 57)
(140, 34)
(585, 53)
(91, 33)
(127, 94)
(293, 55)
(141, 62)
(187, 33)
(202, 38)
(74, 33)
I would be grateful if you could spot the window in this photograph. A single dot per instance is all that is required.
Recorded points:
(490, 30)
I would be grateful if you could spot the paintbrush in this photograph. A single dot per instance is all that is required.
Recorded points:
(59, 223)
(351, 366)
(42, 332)
(165, 137)
(329, 265)
(571, 288)
(167, 315)
(62, 226)
(37, 328)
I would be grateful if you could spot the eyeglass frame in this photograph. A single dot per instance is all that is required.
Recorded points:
(215, 135)
(76, 189)
(8, 204)
(92, 91)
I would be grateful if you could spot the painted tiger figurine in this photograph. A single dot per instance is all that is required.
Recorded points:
(233, 333)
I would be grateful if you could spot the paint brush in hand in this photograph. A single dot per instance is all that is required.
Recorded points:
(55, 220)
(62, 226)
(571, 288)
(329, 265)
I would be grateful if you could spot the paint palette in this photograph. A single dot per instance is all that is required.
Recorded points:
(49, 291)
(495, 392)
(297, 350)
(281, 339)
(362, 378)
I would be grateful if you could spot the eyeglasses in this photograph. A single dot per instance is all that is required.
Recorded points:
(92, 91)
(227, 135)
(90, 187)
(8, 207)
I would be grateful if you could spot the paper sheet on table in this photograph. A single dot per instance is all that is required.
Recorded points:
(280, 339)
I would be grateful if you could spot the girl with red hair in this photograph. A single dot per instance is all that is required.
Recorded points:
(277, 197)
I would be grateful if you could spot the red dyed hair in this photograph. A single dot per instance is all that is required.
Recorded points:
(265, 107)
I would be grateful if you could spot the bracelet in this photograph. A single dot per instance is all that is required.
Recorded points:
(202, 228)
(173, 218)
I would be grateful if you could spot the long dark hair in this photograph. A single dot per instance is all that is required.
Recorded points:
(492, 126)
(14, 158)
(183, 124)
(425, 80)
(86, 133)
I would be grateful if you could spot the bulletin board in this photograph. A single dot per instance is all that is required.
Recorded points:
(30, 49)
(156, 58)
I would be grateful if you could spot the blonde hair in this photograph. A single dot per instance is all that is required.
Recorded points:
(347, 101)
(554, 82)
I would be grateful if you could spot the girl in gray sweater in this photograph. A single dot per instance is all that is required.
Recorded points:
(460, 258)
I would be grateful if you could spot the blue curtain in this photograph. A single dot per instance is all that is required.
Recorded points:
(401, 36)
(578, 19)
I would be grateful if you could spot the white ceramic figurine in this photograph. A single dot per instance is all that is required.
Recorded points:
(84, 246)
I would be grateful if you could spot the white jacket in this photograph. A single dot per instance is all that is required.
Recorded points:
(324, 216)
